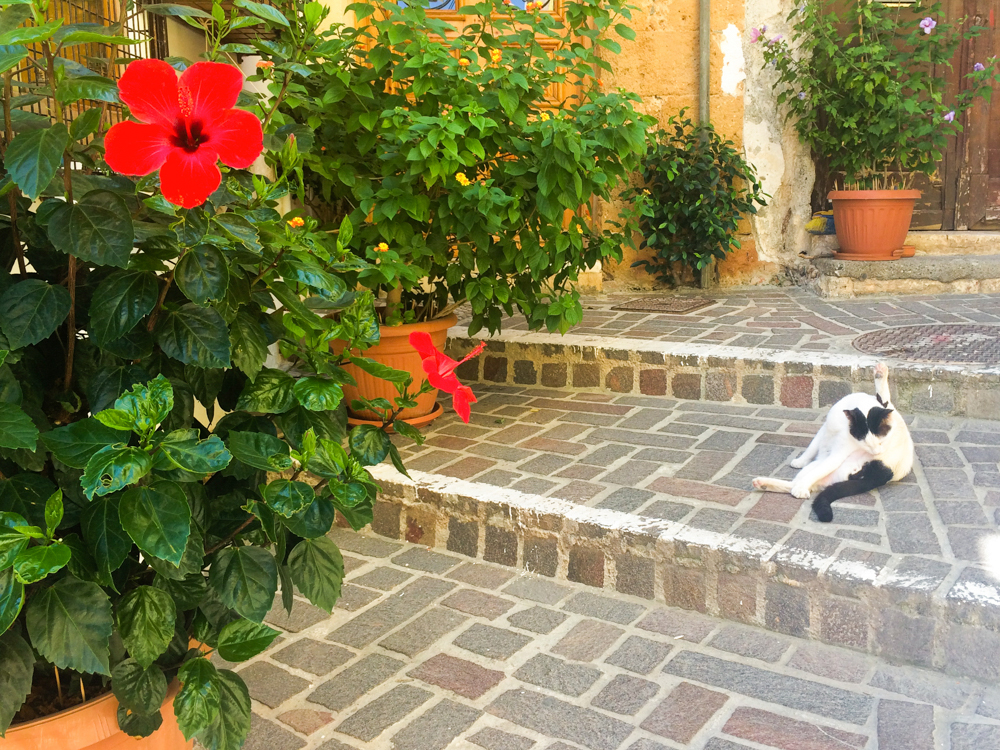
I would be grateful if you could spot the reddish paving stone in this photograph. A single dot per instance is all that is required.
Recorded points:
(477, 603)
(586, 565)
(305, 720)
(788, 734)
(653, 382)
(682, 713)
(450, 442)
(905, 726)
(697, 490)
(796, 391)
(458, 675)
(464, 469)
(554, 446)
(578, 405)
(673, 624)
(795, 441)
(775, 506)
(587, 640)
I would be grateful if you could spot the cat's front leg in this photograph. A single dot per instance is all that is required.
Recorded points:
(882, 384)
(815, 473)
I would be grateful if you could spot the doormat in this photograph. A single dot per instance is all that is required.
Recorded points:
(665, 304)
(960, 343)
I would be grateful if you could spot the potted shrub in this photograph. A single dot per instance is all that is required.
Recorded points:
(863, 82)
(158, 480)
(696, 188)
(464, 180)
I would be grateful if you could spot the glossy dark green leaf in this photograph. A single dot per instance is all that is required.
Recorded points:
(138, 725)
(380, 370)
(138, 688)
(329, 460)
(192, 561)
(97, 229)
(16, 428)
(318, 571)
(97, 88)
(272, 392)
(231, 725)
(369, 444)
(315, 521)
(249, 345)
(268, 13)
(35, 563)
(240, 228)
(358, 516)
(197, 703)
(70, 623)
(148, 404)
(54, 512)
(146, 618)
(197, 456)
(288, 498)
(113, 468)
(25, 494)
(168, 9)
(33, 157)
(31, 310)
(108, 383)
(246, 579)
(120, 302)
(408, 431)
(158, 518)
(195, 336)
(17, 667)
(11, 599)
(104, 535)
(203, 274)
(205, 384)
(242, 639)
(187, 593)
(327, 425)
(318, 394)
(259, 450)
(76, 443)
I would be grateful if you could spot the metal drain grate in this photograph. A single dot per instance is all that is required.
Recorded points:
(665, 304)
(966, 344)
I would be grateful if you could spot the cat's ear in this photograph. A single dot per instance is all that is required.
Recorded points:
(857, 422)
(878, 420)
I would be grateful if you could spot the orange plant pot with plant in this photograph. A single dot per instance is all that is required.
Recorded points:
(872, 224)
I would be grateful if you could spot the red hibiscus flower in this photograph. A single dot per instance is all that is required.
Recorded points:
(440, 370)
(185, 126)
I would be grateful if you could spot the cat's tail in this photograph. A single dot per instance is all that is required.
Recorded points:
(873, 474)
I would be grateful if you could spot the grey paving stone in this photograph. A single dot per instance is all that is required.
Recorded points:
(646, 744)
(939, 456)
(368, 546)
(378, 715)
(477, 603)
(974, 736)
(375, 622)
(672, 623)
(632, 472)
(587, 640)
(724, 441)
(905, 726)
(266, 735)
(901, 497)
(767, 532)
(625, 695)
(557, 718)
(752, 643)
(607, 455)
(483, 575)
(422, 559)
(547, 463)
(668, 510)
(717, 743)
(347, 686)
(639, 655)
(537, 619)
(604, 608)
(965, 542)
(557, 675)
(793, 692)
(494, 643)
(353, 598)
(920, 685)
(949, 484)
(914, 573)
(304, 615)
(493, 739)
(331, 745)
(271, 685)
(714, 519)
(423, 632)
(537, 590)
(384, 579)
(313, 656)
(436, 727)
(911, 533)
(625, 499)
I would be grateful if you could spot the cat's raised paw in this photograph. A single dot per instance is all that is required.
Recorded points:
(881, 371)
(798, 463)
(760, 483)
(801, 491)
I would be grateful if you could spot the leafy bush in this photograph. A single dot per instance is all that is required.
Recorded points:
(697, 187)
(461, 176)
(856, 80)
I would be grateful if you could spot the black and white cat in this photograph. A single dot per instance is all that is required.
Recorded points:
(863, 444)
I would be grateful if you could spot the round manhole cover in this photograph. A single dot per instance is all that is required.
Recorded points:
(965, 344)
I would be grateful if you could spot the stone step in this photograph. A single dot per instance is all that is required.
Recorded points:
(954, 243)
(921, 274)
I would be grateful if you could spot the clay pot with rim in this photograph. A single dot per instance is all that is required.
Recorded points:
(872, 224)
(394, 350)
(94, 726)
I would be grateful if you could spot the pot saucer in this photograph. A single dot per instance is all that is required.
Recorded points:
(436, 412)
(906, 251)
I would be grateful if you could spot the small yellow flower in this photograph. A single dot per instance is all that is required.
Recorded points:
(544, 117)
(496, 55)
(579, 229)
(461, 179)
(296, 222)
(464, 62)
(381, 247)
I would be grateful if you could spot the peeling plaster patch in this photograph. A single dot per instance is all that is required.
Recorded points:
(733, 73)
(765, 153)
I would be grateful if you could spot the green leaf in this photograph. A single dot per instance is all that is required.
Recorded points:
(318, 394)
(138, 725)
(35, 563)
(108, 383)
(379, 370)
(31, 34)
(242, 639)
(197, 456)
(239, 228)
(138, 688)
(288, 498)
(76, 443)
(158, 518)
(197, 702)
(97, 229)
(148, 404)
(33, 157)
(10, 60)
(53, 512)
(31, 310)
(408, 431)
(118, 421)
(97, 88)
(263, 11)
(314, 521)
(259, 450)
(191, 562)
(106, 539)
(330, 459)
(70, 623)
(25, 495)
(188, 592)
(245, 578)
(318, 571)
(119, 303)
(16, 428)
(113, 468)
(17, 668)
(146, 620)
(194, 335)
(11, 599)
(85, 124)
(92, 33)
(168, 9)
(231, 725)
(369, 444)
(203, 274)
(271, 393)
(249, 345)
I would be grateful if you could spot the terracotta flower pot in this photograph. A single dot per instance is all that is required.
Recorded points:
(94, 726)
(394, 350)
(872, 224)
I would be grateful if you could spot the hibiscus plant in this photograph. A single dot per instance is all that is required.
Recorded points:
(160, 474)
(468, 158)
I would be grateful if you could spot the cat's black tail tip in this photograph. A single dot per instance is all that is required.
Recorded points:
(823, 510)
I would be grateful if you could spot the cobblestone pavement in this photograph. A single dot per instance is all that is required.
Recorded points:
(427, 651)
(693, 462)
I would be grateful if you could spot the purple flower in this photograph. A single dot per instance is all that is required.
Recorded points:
(978, 66)
(802, 95)
(928, 25)
(756, 34)
(775, 40)
(950, 117)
